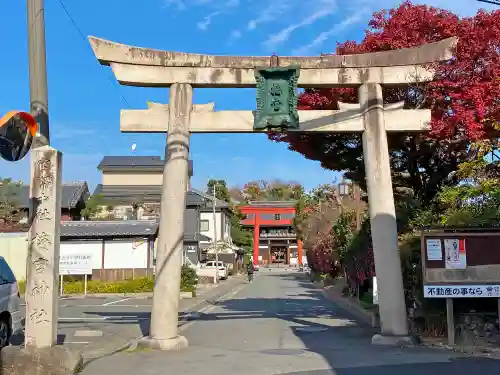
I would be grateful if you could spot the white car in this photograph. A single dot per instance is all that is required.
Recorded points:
(222, 270)
(11, 320)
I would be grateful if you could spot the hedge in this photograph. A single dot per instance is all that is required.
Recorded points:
(189, 281)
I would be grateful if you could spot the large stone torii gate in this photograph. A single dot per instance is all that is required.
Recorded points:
(182, 72)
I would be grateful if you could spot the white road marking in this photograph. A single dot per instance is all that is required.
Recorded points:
(118, 301)
(87, 306)
(76, 342)
(127, 319)
(88, 333)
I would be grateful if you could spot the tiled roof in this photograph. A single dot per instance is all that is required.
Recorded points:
(125, 194)
(136, 162)
(118, 228)
(70, 196)
(218, 203)
(271, 203)
(122, 228)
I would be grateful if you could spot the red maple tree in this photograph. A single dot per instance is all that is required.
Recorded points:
(463, 99)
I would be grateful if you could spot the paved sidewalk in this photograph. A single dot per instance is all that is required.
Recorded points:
(98, 326)
(281, 324)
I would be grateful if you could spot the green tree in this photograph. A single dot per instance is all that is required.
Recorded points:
(221, 189)
(276, 190)
(241, 236)
(9, 201)
(94, 207)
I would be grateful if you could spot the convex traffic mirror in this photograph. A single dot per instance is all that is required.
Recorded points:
(17, 130)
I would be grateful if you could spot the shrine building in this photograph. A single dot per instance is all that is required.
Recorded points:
(274, 238)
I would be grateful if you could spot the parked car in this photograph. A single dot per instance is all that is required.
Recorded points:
(223, 273)
(11, 320)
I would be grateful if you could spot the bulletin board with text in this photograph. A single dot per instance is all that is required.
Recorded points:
(461, 264)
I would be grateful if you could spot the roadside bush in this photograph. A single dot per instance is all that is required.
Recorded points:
(139, 285)
(22, 286)
(189, 279)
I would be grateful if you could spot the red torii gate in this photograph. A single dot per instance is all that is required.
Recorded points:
(260, 214)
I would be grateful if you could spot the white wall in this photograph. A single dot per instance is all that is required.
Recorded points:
(93, 248)
(121, 254)
(118, 254)
(14, 249)
(223, 226)
(210, 217)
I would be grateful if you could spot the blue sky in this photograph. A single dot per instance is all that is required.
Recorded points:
(85, 100)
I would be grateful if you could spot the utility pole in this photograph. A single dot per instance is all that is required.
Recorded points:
(216, 280)
(38, 70)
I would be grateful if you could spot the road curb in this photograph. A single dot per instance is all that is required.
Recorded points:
(192, 314)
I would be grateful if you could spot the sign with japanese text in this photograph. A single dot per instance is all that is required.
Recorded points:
(460, 263)
(75, 264)
(456, 257)
(462, 291)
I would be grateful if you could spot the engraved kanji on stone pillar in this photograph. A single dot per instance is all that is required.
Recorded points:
(43, 248)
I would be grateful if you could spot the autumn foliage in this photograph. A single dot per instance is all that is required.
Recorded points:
(463, 98)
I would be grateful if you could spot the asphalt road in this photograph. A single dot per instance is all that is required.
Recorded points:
(280, 324)
(98, 326)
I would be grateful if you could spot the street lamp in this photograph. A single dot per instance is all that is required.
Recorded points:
(343, 188)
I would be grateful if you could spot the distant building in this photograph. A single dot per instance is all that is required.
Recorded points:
(131, 187)
(73, 198)
(274, 237)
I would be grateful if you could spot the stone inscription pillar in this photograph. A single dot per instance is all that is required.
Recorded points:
(43, 248)
(394, 325)
(164, 316)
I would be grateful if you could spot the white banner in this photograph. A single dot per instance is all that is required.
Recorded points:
(462, 291)
(75, 264)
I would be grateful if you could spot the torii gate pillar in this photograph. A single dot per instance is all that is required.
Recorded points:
(163, 333)
(393, 322)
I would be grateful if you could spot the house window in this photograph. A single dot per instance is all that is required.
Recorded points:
(204, 226)
(277, 217)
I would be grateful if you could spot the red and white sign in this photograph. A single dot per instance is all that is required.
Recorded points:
(455, 254)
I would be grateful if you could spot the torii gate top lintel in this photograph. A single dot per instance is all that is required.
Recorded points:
(136, 66)
(111, 52)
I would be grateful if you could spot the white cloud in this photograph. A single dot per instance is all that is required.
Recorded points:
(270, 13)
(325, 35)
(220, 8)
(235, 34)
(324, 9)
(203, 25)
(361, 11)
(178, 4)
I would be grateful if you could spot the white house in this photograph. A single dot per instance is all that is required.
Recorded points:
(218, 226)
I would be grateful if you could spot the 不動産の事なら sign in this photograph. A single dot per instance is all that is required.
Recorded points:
(461, 291)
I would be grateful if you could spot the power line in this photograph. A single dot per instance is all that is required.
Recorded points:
(494, 2)
(86, 43)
